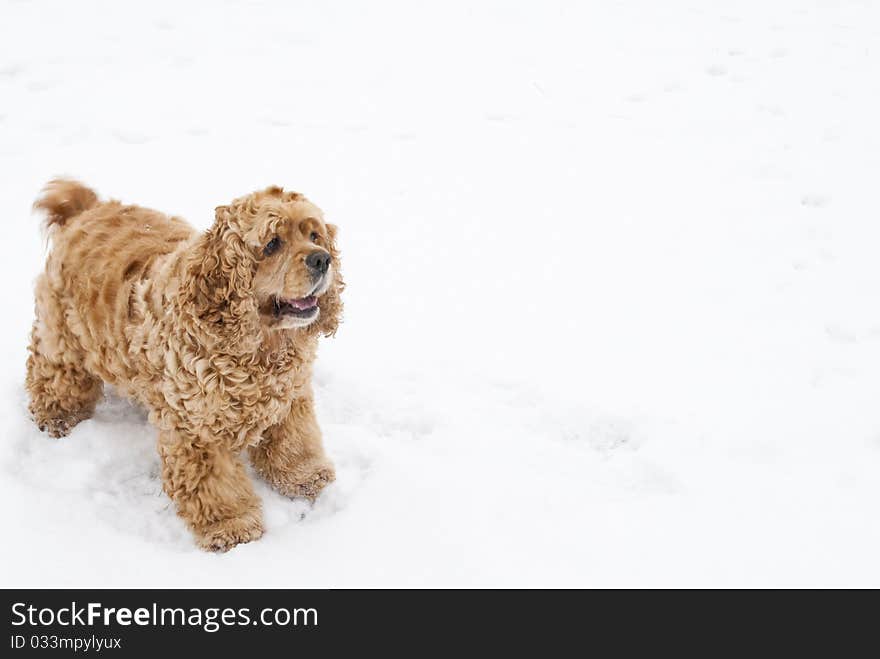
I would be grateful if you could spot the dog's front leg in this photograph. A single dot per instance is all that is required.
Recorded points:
(212, 491)
(291, 456)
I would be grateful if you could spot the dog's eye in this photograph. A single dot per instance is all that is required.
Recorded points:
(314, 236)
(272, 246)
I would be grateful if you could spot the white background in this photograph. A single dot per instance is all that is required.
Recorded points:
(613, 314)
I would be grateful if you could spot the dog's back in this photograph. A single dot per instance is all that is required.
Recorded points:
(93, 294)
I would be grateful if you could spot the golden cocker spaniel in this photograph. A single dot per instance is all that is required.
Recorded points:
(214, 333)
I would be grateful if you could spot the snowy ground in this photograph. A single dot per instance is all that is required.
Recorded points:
(613, 314)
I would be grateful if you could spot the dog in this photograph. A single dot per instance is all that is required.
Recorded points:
(215, 333)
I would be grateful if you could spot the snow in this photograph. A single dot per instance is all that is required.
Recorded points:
(612, 315)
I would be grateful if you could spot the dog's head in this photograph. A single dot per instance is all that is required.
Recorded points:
(269, 261)
(297, 260)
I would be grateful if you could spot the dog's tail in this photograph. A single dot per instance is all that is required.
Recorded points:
(63, 199)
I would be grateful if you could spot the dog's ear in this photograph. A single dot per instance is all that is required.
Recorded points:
(217, 290)
(331, 301)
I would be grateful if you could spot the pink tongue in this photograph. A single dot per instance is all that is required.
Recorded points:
(304, 302)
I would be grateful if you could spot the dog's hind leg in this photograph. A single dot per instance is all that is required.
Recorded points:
(62, 392)
(212, 491)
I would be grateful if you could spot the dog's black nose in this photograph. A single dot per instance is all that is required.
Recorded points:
(318, 262)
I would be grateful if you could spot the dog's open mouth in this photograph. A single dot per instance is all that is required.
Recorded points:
(303, 307)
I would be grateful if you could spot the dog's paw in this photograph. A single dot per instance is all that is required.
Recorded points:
(308, 480)
(224, 535)
(58, 427)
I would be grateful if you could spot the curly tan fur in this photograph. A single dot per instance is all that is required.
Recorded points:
(189, 325)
